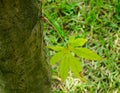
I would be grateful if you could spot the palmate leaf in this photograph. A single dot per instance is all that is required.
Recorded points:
(56, 58)
(68, 61)
(86, 53)
(55, 48)
(76, 42)
(64, 67)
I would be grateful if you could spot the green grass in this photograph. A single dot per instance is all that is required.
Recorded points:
(99, 22)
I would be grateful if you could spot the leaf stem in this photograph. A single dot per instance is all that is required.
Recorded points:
(54, 28)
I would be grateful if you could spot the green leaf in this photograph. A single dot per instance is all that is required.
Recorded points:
(64, 67)
(71, 38)
(55, 48)
(75, 65)
(86, 53)
(77, 42)
(56, 58)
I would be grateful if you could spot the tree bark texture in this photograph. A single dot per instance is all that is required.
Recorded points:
(23, 66)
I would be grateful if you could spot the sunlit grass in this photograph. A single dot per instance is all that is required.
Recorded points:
(99, 22)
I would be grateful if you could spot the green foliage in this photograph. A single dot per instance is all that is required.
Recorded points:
(56, 26)
(75, 66)
(67, 59)
(64, 67)
(98, 21)
(86, 53)
(76, 42)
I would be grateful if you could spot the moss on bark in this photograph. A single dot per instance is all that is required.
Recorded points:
(23, 65)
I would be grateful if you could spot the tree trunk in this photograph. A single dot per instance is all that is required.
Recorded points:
(23, 66)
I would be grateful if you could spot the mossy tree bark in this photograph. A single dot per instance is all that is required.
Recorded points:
(23, 66)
